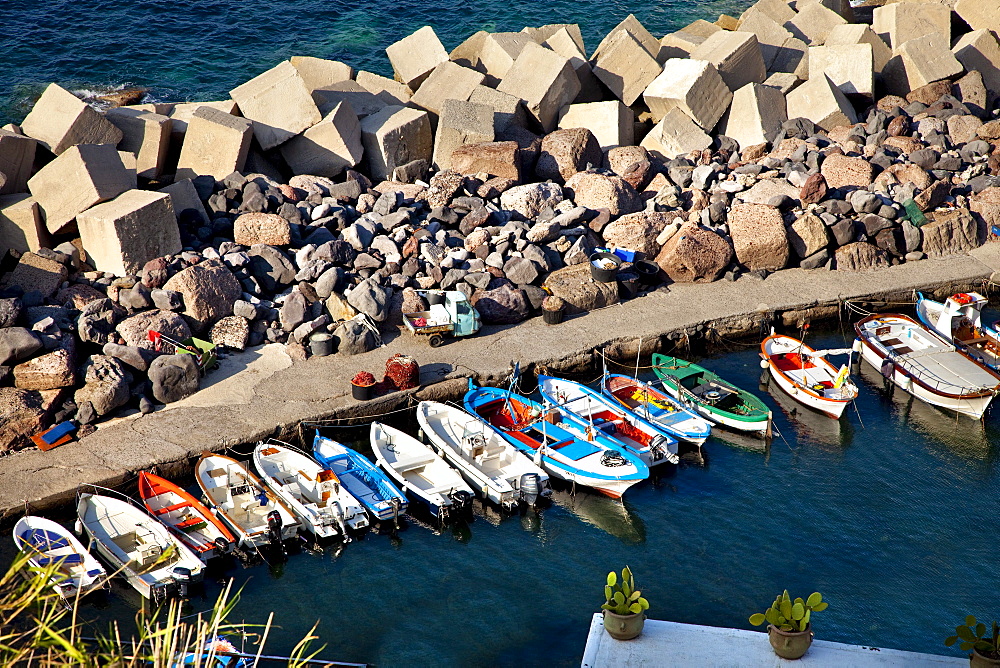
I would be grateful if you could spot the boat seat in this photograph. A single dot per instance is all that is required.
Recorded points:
(409, 463)
(440, 489)
(167, 509)
(217, 473)
(969, 342)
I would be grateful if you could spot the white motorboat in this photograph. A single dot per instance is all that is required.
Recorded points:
(959, 320)
(925, 365)
(418, 470)
(807, 376)
(136, 546)
(313, 493)
(49, 545)
(251, 511)
(487, 462)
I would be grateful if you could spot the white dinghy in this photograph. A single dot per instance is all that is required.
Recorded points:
(807, 376)
(313, 493)
(251, 511)
(487, 462)
(48, 544)
(418, 470)
(136, 546)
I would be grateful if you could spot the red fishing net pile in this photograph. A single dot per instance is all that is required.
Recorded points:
(401, 373)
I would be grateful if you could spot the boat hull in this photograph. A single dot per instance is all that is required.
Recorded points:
(785, 356)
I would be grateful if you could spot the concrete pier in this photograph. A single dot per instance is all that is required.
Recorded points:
(262, 393)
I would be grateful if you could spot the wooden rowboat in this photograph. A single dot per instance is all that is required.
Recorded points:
(186, 516)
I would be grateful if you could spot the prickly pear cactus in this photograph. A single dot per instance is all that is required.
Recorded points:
(623, 598)
(788, 614)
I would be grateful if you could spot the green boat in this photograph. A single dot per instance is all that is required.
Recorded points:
(713, 398)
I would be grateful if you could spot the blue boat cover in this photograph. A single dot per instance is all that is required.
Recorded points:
(44, 540)
(577, 449)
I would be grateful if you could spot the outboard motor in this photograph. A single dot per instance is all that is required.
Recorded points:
(663, 448)
(462, 500)
(182, 578)
(224, 546)
(274, 530)
(158, 593)
(530, 488)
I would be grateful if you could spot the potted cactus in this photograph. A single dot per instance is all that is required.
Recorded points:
(623, 606)
(981, 639)
(789, 623)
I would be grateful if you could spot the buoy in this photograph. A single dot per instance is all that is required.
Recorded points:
(764, 364)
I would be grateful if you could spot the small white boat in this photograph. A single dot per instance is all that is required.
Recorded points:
(925, 365)
(136, 546)
(487, 462)
(418, 470)
(960, 321)
(313, 493)
(807, 376)
(251, 511)
(47, 543)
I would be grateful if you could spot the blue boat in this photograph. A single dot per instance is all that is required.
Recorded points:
(361, 478)
(546, 436)
(659, 408)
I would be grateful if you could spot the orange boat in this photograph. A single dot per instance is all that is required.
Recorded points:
(187, 517)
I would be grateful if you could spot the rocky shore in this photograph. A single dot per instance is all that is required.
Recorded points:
(808, 134)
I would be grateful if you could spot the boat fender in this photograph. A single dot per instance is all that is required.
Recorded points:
(764, 364)
(857, 347)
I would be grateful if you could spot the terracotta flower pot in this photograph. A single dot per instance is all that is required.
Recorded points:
(623, 627)
(790, 644)
(977, 660)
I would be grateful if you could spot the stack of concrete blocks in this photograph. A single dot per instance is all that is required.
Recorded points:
(80, 177)
(736, 55)
(278, 103)
(122, 235)
(851, 67)
(467, 53)
(498, 52)
(781, 50)
(508, 110)
(544, 80)
(215, 144)
(448, 81)
(898, 23)
(328, 147)
(394, 137)
(631, 25)
(17, 155)
(844, 35)
(461, 123)
(612, 123)
(146, 136)
(693, 86)
(60, 120)
(21, 226)
(676, 134)
(755, 115)
(180, 115)
(319, 72)
(414, 57)
(920, 61)
(813, 23)
(979, 50)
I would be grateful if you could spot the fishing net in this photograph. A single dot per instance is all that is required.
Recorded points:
(401, 372)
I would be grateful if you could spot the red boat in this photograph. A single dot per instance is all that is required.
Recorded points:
(187, 517)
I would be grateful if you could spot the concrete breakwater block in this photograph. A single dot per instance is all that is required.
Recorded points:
(394, 137)
(60, 120)
(17, 156)
(675, 134)
(461, 123)
(21, 226)
(414, 57)
(900, 22)
(612, 123)
(979, 50)
(146, 135)
(821, 102)
(566, 45)
(215, 144)
(921, 61)
(625, 66)
(851, 67)
(447, 81)
(544, 80)
(843, 35)
(693, 86)
(497, 53)
(328, 147)
(320, 72)
(124, 234)
(755, 115)
(76, 180)
(736, 55)
(279, 103)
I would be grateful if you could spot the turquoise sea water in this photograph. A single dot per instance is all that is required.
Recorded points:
(890, 512)
(186, 50)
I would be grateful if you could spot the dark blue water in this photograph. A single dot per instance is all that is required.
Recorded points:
(195, 50)
(891, 513)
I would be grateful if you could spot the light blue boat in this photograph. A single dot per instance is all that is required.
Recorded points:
(361, 478)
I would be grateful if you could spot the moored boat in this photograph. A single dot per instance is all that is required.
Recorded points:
(543, 435)
(138, 547)
(187, 517)
(251, 511)
(959, 320)
(807, 376)
(313, 494)
(925, 365)
(500, 472)
(48, 544)
(710, 396)
(650, 442)
(365, 481)
(417, 469)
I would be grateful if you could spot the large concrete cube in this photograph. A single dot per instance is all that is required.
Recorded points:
(544, 33)
(676, 134)
(693, 86)
(771, 33)
(181, 114)
(145, 135)
(467, 54)
(979, 50)
(498, 53)
(122, 235)
(184, 197)
(215, 144)
(919, 62)
(80, 177)
(461, 123)
(612, 123)
(564, 43)
(394, 137)
(792, 57)
(21, 226)
(736, 55)
(776, 10)
(17, 155)
(363, 102)
(821, 102)
(448, 81)
(544, 80)
(508, 109)
(980, 14)
(389, 91)
(631, 25)
(327, 148)
(755, 115)
(854, 33)
(414, 57)
(814, 23)
(849, 66)
(900, 22)
(279, 103)
(60, 119)
(625, 66)
(320, 72)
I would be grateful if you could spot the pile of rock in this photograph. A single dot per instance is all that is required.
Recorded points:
(807, 134)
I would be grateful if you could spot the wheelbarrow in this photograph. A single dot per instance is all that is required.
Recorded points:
(203, 351)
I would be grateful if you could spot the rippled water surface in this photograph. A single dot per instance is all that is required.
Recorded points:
(199, 50)
(891, 513)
